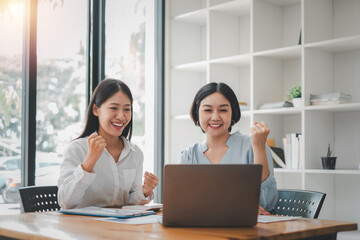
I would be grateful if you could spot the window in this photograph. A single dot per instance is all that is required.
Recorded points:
(61, 82)
(129, 54)
(11, 42)
(64, 64)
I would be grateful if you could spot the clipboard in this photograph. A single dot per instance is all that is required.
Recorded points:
(107, 212)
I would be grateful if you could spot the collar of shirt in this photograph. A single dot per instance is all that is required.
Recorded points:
(229, 142)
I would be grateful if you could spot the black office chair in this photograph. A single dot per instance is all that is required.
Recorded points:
(301, 203)
(39, 198)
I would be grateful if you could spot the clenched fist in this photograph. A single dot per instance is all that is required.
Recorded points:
(96, 145)
(150, 182)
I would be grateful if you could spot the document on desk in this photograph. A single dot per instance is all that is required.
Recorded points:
(137, 220)
(145, 207)
(274, 218)
(107, 212)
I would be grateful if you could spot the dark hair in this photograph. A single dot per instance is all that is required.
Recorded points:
(209, 89)
(106, 89)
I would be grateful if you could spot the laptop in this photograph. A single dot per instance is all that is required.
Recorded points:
(211, 195)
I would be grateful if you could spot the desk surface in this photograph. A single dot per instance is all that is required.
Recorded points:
(61, 226)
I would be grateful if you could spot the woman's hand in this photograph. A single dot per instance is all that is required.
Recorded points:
(262, 211)
(259, 133)
(150, 182)
(96, 145)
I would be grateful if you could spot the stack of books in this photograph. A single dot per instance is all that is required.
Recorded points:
(330, 98)
(294, 150)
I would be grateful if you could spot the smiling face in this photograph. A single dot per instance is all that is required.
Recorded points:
(215, 115)
(114, 115)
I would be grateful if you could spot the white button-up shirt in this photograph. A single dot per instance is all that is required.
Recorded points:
(109, 184)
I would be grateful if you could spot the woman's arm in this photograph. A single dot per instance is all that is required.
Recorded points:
(259, 133)
(73, 179)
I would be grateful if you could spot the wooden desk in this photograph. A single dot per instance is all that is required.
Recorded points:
(55, 225)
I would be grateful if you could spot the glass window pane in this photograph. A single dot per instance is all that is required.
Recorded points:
(129, 56)
(61, 83)
(11, 26)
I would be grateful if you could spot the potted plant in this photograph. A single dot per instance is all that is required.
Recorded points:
(328, 162)
(294, 95)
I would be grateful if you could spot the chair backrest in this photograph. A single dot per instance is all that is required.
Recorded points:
(39, 198)
(301, 203)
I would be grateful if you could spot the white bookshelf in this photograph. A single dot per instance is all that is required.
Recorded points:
(253, 46)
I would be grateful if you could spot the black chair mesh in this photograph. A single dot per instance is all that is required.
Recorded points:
(39, 198)
(301, 203)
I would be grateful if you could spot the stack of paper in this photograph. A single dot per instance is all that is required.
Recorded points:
(329, 98)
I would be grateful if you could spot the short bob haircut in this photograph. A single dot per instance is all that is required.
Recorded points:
(209, 89)
(106, 89)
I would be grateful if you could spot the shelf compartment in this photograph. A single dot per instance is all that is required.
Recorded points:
(339, 129)
(238, 78)
(329, 71)
(183, 87)
(338, 198)
(188, 43)
(331, 19)
(276, 24)
(273, 78)
(234, 39)
(183, 7)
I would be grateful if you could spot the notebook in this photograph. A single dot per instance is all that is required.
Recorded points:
(211, 195)
(107, 212)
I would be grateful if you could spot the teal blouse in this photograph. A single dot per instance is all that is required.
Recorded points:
(239, 152)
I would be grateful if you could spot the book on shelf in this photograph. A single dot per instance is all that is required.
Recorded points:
(283, 104)
(293, 150)
(331, 96)
(278, 157)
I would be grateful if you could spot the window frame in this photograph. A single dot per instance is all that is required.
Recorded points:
(94, 74)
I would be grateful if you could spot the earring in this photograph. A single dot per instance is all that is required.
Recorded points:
(232, 122)
(197, 123)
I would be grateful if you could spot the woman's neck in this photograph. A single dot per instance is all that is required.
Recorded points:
(112, 142)
(217, 141)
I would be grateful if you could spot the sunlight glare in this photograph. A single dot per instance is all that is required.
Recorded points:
(16, 10)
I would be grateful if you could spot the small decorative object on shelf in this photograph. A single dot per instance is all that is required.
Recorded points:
(244, 106)
(273, 105)
(294, 94)
(328, 162)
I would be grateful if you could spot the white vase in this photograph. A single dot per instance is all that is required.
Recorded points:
(297, 102)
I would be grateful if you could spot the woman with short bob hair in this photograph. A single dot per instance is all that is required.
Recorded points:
(215, 109)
